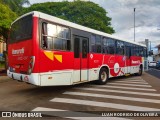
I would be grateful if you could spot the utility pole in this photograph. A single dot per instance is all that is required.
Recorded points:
(134, 23)
(147, 44)
(150, 45)
(146, 58)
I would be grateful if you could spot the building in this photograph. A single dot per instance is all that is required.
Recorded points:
(2, 48)
(157, 56)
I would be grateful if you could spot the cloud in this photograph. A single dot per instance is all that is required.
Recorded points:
(121, 11)
(147, 18)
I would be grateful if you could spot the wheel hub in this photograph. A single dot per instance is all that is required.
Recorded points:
(103, 76)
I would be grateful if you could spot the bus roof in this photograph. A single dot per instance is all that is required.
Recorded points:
(74, 25)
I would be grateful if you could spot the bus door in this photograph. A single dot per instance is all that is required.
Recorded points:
(128, 58)
(80, 59)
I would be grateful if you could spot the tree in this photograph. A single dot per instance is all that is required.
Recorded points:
(15, 5)
(85, 13)
(6, 17)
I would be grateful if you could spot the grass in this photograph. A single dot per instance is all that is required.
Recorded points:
(2, 65)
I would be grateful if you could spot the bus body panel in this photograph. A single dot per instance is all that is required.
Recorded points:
(50, 61)
(58, 67)
(19, 56)
(36, 44)
(19, 53)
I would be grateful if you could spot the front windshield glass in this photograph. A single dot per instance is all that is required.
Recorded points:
(21, 29)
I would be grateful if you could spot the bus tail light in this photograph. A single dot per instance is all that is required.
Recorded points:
(31, 64)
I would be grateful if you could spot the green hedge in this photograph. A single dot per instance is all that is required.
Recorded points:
(2, 64)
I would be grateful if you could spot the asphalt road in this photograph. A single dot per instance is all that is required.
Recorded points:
(132, 93)
(154, 72)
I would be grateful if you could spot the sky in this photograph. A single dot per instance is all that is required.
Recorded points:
(147, 18)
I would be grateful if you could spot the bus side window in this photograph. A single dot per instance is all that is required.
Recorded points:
(120, 48)
(105, 45)
(47, 35)
(44, 35)
(66, 45)
(141, 52)
(55, 37)
(93, 43)
(138, 53)
(111, 46)
(133, 50)
(98, 44)
(127, 49)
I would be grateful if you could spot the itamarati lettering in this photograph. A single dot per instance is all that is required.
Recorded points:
(135, 62)
(19, 51)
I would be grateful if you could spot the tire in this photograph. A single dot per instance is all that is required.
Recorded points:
(103, 76)
(140, 71)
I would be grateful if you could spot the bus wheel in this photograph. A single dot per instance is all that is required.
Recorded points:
(103, 76)
(140, 71)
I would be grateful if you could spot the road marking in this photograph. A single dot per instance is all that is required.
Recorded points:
(130, 80)
(128, 84)
(119, 91)
(134, 77)
(113, 97)
(103, 104)
(76, 115)
(131, 88)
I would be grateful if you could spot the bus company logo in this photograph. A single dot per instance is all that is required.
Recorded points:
(18, 51)
(124, 58)
(91, 56)
(135, 62)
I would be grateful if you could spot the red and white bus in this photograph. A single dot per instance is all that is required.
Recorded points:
(47, 51)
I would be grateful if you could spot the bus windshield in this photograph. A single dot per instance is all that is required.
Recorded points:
(21, 29)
